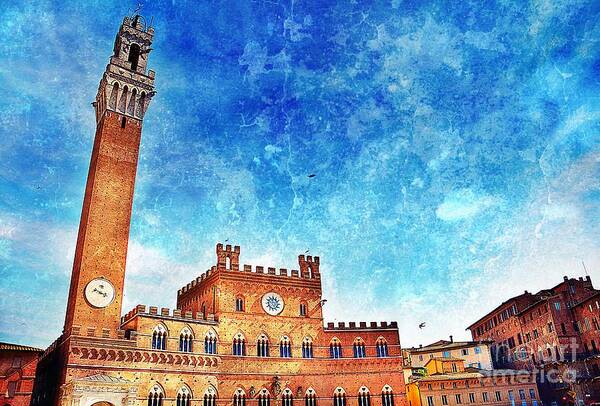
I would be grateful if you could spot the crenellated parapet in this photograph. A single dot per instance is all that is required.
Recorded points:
(166, 313)
(228, 263)
(362, 325)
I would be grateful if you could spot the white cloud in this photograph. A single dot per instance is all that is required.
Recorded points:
(463, 204)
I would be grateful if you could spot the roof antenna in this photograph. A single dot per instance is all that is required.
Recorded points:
(584, 268)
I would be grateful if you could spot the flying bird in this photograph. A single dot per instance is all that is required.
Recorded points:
(312, 175)
(306, 252)
(422, 325)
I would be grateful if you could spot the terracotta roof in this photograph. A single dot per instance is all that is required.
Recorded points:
(444, 359)
(17, 347)
(448, 377)
(445, 345)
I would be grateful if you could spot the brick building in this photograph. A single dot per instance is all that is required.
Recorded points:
(18, 364)
(448, 382)
(531, 329)
(553, 330)
(240, 335)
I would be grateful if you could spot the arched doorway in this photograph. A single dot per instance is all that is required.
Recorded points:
(102, 404)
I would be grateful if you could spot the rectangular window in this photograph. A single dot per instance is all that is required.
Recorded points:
(485, 397)
(477, 350)
(511, 395)
(557, 305)
(550, 327)
(444, 400)
(458, 399)
(471, 398)
(521, 394)
(498, 396)
(420, 358)
(430, 401)
(302, 309)
(532, 393)
(465, 351)
(535, 333)
(563, 328)
(446, 354)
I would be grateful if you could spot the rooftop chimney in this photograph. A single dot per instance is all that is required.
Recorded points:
(566, 278)
(451, 339)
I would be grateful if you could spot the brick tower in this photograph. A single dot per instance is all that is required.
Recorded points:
(96, 292)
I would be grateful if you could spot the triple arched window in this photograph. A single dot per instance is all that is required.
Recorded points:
(285, 347)
(239, 398)
(287, 397)
(210, 343)
(262, 347)
(159, 338)
(339, 397)
(264, 398)
(185, 340)
(156, 396)
(210, 397)
(358, 348)
(307, 348)
(382, 347)
(335, 350)
(310, 398)
(184, 396)
(239, 345)
(387, 396)
(364, 397)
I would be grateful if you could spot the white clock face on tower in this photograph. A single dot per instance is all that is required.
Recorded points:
(272, 303)
(99, 292)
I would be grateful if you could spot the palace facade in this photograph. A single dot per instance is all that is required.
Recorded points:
(240, 335)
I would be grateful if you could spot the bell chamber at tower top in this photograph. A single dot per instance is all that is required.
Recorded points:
(126, 87)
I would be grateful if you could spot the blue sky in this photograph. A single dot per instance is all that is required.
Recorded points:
(456, 147)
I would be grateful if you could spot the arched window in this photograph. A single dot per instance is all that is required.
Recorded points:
(141, 105)
(210, 343)
(210, 397)
(159, 338)
(307, 348)
(239, 345)
(134, 56)
(358, 348)
(310, 271)
(262, 346)
(339, 397)
(132, 101)
(285, 347)
(364, 397)
(239, 304)
(185, 340)
(156, 396)
(310, 398)
(302, 309)
(239, 398)
(123, 99)
(204, 309)
(382, 347)
(264, 398)
(387, 396)
(287, 397)
(335, 348)
(184, 396)
(112, 103)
